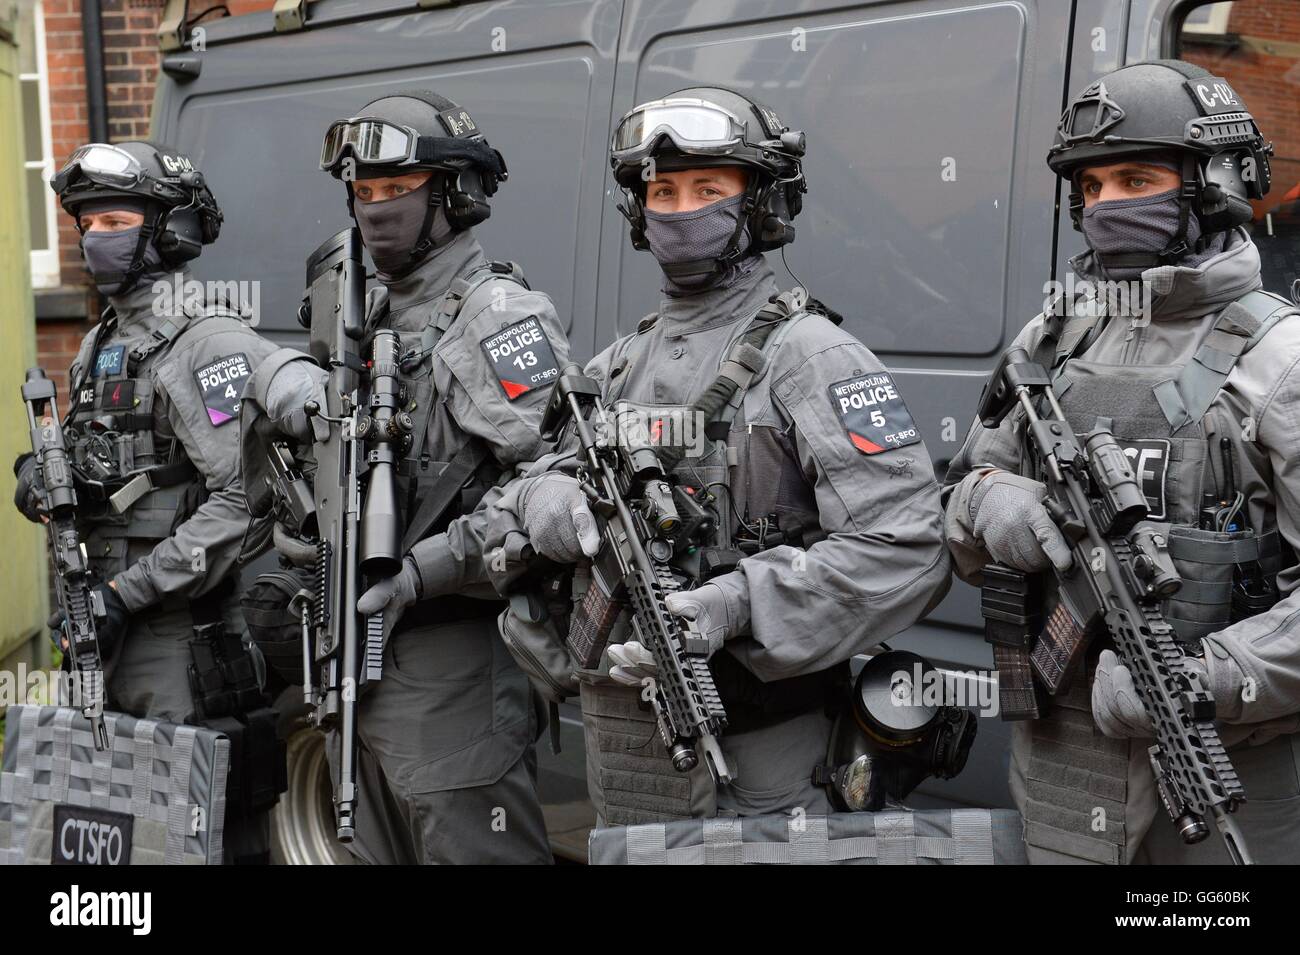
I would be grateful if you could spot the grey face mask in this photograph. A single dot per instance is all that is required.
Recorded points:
(680, 237)
(109, 254)
(1146, 224)
(392, 229)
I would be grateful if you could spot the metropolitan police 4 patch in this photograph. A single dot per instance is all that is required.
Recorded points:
(522, 357)
(221, 383)
(873, 413)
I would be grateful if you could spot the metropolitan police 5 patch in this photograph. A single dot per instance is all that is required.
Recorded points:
(522, 357)
(873, 413)
(221, 383)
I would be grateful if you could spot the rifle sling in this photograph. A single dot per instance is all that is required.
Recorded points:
(446, 488)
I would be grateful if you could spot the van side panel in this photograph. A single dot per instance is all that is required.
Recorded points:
(535, 76)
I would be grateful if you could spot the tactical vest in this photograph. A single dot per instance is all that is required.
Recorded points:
(134, 481)
(1160, 415)
(755, 493)
(434, 493)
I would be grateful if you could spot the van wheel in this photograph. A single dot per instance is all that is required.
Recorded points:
(302, 823)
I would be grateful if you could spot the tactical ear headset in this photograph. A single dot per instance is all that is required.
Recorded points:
(182, 231)
(466, 195)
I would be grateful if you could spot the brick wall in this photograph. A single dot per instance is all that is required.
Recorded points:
(1262, 63)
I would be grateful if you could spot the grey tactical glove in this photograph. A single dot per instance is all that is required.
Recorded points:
(392, 594)
(557, 520)
(632, 663)
(1014, 527)
(1115, 703)
(295, 384)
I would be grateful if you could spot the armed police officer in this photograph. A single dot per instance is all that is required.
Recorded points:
(154, 442)
(1194, 371)
(446, 766)
(820, 526)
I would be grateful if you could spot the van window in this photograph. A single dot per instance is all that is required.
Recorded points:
(1255, 46)
(259, 149)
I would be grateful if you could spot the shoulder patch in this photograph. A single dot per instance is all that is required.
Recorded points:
(109, 361)
(521, 357)
(873, 413)
(221, 383)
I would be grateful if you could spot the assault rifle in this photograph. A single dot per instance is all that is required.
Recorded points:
(1120, 573)
(632, 498)
(355, 519)
(78, 603)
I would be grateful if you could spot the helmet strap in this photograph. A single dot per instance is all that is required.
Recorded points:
(425, 244)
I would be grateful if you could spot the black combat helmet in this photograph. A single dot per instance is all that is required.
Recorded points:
(704, 126)
(1169, 107)
(402, 132)
(180, 213)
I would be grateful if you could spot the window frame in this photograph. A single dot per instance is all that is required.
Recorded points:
(1217, 23)
(44, 262)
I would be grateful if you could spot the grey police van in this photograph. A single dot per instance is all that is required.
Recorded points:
(932, 222)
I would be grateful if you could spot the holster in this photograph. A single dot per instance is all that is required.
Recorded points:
(223, 680)
(228, 699)
(258, 761)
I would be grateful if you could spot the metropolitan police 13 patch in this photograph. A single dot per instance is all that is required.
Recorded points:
(873, 413)
(221, 383)
(522, 357)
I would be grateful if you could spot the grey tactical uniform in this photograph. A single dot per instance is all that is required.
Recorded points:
(446, 761)
(1062, 768)
(853, 554)
(160, 395)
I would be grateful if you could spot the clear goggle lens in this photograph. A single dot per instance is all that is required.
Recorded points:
(691, 124)
(371, 141)
(104, 163)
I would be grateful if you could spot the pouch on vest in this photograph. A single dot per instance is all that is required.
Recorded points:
(531, 628)
(273, 622)
(1215, 592)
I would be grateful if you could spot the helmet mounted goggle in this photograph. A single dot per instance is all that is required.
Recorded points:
(694, 126)
(379, 142)
(103, 166)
